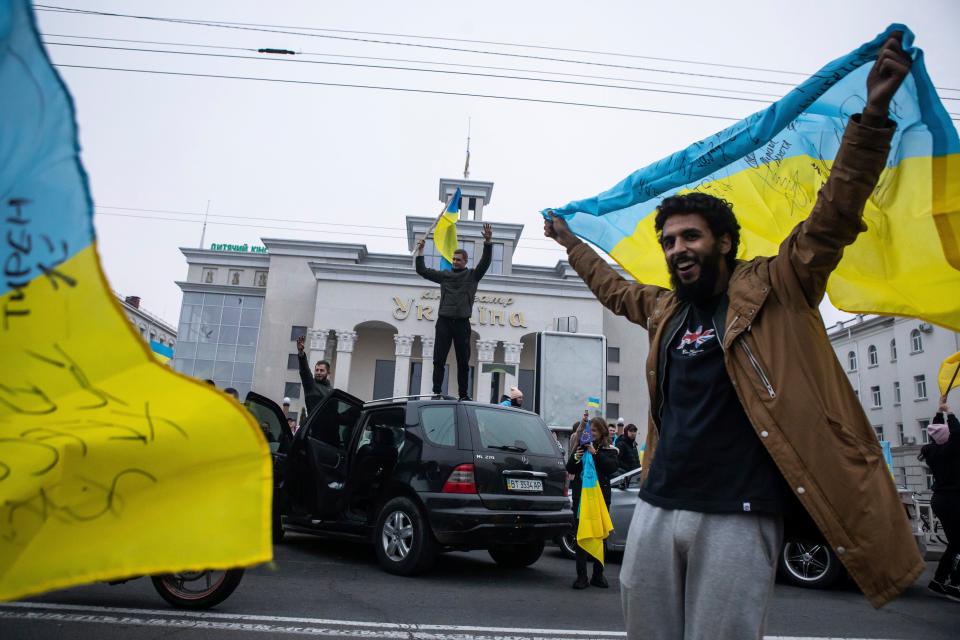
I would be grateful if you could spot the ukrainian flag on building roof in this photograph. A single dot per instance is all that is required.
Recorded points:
(770, 167)
(445, 234)
(111, 465)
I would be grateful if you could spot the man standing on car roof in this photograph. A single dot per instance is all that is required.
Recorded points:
(750, 408)
(458, 288)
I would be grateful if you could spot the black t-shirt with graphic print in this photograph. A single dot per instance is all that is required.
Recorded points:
(708, 459)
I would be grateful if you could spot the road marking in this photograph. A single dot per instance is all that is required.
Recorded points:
(210, 620)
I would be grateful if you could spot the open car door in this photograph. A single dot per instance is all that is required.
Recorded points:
(316, 473)
(275, 429)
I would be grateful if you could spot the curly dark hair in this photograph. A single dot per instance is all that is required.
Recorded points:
(716, 211)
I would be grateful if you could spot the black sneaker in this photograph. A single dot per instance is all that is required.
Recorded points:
(599, 581)
(952, 591)
(937, 587)
(466, 399)
(581, 582)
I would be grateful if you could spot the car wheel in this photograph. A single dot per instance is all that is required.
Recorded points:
(806, 563)
(403, 540)
(197, 589)
(568, 545)
(517, 555)
(278, 532)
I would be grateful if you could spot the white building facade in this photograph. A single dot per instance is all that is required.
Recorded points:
(372, 317)
(892, 364)
(150, 327)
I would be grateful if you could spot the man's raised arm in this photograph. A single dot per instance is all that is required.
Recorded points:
(487, 254)
(633, 300)
(812, 251)
(430, 274)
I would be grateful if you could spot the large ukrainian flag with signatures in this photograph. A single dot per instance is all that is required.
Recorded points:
(771, 165)
(111, 465)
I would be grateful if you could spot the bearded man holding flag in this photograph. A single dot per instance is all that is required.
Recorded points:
(752, 417)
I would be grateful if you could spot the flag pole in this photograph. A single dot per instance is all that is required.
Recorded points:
(430, 230)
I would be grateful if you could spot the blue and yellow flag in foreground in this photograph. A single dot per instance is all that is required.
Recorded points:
(111, 465)
(445, 234)
(594, 518)
(771, 165)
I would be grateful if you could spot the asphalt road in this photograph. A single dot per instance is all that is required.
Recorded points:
(330, 589)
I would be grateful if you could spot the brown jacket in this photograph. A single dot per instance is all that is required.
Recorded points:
(788, 379)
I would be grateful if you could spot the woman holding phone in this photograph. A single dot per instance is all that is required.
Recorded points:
(605, 461)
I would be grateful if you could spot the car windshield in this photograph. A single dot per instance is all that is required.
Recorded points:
(514, 431)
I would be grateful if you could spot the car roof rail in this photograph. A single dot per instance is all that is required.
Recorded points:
(430, 396)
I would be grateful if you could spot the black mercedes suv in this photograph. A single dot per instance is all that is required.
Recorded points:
(418, 476)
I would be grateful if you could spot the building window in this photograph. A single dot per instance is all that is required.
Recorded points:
(893, 351)
(920, 387)
(879, 429)
(153, 337)
(916, 341)
(613, 383)
(218, 337)
(872, 358)
(292, 361)
(929, 478)
(856, 392)
(613, 410)
(383, 375)
(296, 331)
(235, 277)
(209, 275)
(496, 260)
(900, 476)
(613, 354)
(143, 331)
(291, 390)
(896, 393)
(901, 438)
(924, 435)
(852, 361)
(260, 279)
(875, 393)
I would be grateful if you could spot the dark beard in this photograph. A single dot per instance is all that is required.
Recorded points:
(702, 290)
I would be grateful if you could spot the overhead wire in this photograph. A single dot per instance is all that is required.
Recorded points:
(280, 228)
(428, 62)
(413, 69)
(239, 26)
(398, 89)
(288, 31)
(217, 24)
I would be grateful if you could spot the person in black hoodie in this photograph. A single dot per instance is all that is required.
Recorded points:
(605, 461)
(629, 456)
(316, 386)
(458, 288)
(942, 455)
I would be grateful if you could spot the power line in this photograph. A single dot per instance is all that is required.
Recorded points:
(400, 89)
(287, 31)
(418, 70)
(428, 62)
(278, 228)
(495, 43)
(222, 25)
(240, 217)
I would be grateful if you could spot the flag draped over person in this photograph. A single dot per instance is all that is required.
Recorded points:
(771, 165)
(594, 517)
(445, 233)
(111, 465)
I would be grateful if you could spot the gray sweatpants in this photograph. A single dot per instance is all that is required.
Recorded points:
(698, 575)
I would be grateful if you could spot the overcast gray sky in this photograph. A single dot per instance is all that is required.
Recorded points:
(306, 160)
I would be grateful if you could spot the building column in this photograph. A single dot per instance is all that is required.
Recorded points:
(426, 366)
(511, 355)
(401, 370)
(485, 349)
(317, 344)
(345, 343)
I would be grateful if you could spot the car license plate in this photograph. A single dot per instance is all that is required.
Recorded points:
(515, 484)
